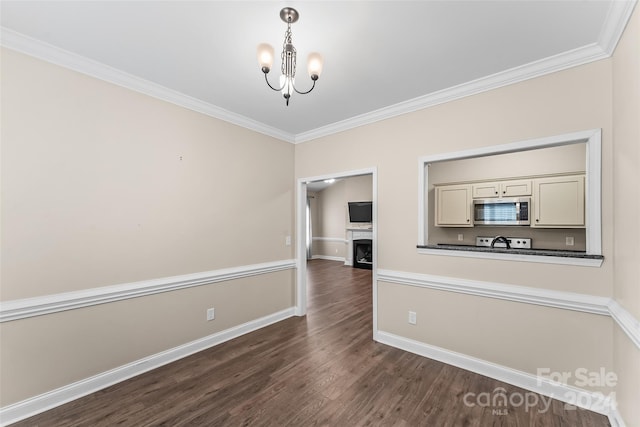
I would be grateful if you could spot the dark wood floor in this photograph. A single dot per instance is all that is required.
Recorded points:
(323, 370)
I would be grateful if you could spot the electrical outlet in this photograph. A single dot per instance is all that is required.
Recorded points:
(460, 237)
(412, 318)
(569, 241)
(211, 313)
(287, 240)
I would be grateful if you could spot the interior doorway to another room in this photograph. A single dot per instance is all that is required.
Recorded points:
(339, 212)
(326, 229)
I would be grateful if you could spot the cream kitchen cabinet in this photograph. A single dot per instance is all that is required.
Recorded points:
(558, 202)
(453, 205)
(485, 190)
(515, 188)
(511, 188)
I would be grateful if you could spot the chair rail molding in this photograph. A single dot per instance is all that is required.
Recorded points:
(585, 303)
(47, 304)
(545, 297)
(626, 321)
(331, 239)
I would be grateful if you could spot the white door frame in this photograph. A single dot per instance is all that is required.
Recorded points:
(301, 227)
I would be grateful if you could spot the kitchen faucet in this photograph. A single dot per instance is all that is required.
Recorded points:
(500, 239)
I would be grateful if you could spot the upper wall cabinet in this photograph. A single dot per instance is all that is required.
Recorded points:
(486, 190)
(512, 188)
(558, 202)
(516, 188)
(453, 206)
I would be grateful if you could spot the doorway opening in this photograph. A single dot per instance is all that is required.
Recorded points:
(350, 233)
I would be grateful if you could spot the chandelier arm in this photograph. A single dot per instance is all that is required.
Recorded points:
(269, 84)
(304, 93)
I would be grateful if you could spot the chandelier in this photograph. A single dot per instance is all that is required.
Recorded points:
(288, 67)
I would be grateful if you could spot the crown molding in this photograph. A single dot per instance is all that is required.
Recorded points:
(36, 48)
(613, 27)
(579, 56)
(617, 18)
(615, 23)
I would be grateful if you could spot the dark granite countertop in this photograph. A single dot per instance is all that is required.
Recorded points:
(538, 252)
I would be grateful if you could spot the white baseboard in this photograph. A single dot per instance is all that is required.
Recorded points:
(35, 405)
(629, 324)
(595, 402)
(615, 419)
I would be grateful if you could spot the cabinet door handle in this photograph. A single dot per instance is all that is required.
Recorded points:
(537, 220)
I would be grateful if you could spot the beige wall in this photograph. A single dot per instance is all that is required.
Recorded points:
(332, 218)
(47, 352)
(329, 224)
(528, 335)
(103, 186)
(542, 161)
(572, 100)
(626, 178)
(359, 189)
(332, 210)
(562, 102)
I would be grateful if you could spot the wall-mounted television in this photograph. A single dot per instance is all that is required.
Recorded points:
(360, 211)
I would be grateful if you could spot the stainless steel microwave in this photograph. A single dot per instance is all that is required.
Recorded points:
(502, 211)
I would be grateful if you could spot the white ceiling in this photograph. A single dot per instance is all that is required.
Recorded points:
(316, 186)
(382, 58)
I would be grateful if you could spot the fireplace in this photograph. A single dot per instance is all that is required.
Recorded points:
(363, 253)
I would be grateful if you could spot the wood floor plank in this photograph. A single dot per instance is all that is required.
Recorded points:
(320, 370)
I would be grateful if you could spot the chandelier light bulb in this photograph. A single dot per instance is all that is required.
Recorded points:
(265, 57)
(314, 65)
(286, 83)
